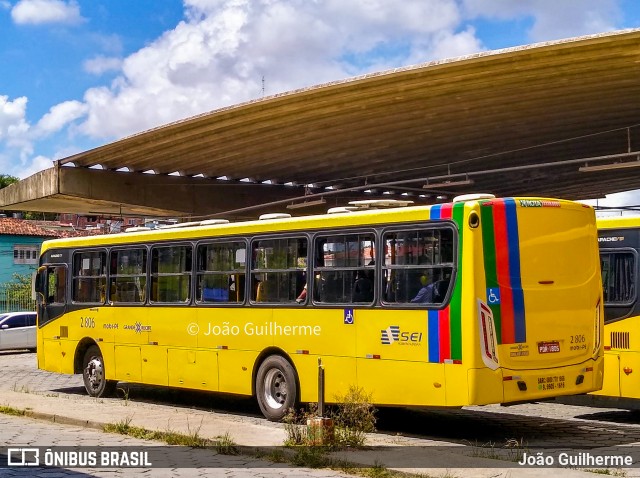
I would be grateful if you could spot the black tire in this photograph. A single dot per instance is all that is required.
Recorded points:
(276, 387)
(93, 374)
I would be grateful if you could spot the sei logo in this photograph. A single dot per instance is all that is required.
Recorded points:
(393, 334)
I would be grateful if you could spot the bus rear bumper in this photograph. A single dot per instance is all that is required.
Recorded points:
(505, 385)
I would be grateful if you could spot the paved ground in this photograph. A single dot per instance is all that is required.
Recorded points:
(452, 443)
(27, 432)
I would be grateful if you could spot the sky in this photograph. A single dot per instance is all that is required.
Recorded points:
(77, 74)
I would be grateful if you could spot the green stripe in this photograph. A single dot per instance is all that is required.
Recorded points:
(455, 308)
(491, 274)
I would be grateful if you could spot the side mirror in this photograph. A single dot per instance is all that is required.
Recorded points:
(4, 327)
(38, 280)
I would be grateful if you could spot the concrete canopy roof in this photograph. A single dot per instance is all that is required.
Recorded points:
(519, 121)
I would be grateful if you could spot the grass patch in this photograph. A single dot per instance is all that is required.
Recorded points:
(310, 457)
(7, 410)
(351, 419)
(606, 471)
(512, 450)
(223, 444)
(276, 456)
(226, 446)
(125, 394)
(124, 427)
(354, 416)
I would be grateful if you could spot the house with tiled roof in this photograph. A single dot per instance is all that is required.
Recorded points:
(20, 242)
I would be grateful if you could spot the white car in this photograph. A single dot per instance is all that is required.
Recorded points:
(18, 331)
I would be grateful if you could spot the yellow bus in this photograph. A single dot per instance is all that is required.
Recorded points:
(478, 301)
(619, 240)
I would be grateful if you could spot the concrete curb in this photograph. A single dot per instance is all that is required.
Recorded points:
(49, 417)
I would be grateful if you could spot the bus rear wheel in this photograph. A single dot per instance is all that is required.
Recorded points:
(93, 374)
(276, 387)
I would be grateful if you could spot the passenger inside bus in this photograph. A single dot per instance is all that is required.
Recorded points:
(259, 289)
(303, 295)
(431, 291)
(362, 288)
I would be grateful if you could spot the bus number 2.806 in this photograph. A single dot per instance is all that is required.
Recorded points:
(578, 339)
(87, 322)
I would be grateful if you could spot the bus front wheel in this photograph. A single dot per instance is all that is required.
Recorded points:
(93, 374)
(276, 387)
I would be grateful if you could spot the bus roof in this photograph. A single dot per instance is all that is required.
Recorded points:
(618, 222)
(206, 229)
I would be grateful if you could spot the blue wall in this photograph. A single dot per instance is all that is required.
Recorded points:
(7, 267)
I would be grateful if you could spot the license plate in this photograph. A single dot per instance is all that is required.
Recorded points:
(548, 347)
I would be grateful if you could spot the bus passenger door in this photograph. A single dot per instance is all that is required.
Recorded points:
(51, 300)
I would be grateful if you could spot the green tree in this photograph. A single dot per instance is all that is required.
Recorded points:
(41, 216)
(20, 282)
(19, 290)
(5, 180)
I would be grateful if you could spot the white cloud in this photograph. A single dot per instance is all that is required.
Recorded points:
(551, 19)
(446, 44)
(16, 147)
(101, 64)
(220, 53)
(13, 125)
(36, 164)
(59, 116)
(38, 12)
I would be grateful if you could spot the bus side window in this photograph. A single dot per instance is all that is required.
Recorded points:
(220, 268)
(278, 269)
(415, 260)
(344, 268)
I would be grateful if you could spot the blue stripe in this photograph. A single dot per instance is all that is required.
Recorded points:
(434, 336)
(520, 328)
(436, 211)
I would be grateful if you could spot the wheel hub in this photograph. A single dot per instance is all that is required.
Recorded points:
(94, 373)
(275, 389)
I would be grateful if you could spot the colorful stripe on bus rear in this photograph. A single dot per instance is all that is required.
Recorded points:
(502, 269)
(445, 325)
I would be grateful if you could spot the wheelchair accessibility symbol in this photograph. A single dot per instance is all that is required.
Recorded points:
(348, 316)
(493, 296)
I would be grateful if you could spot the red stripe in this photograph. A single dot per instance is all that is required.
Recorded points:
(446, 212)
(507, 318)
(445, 334)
